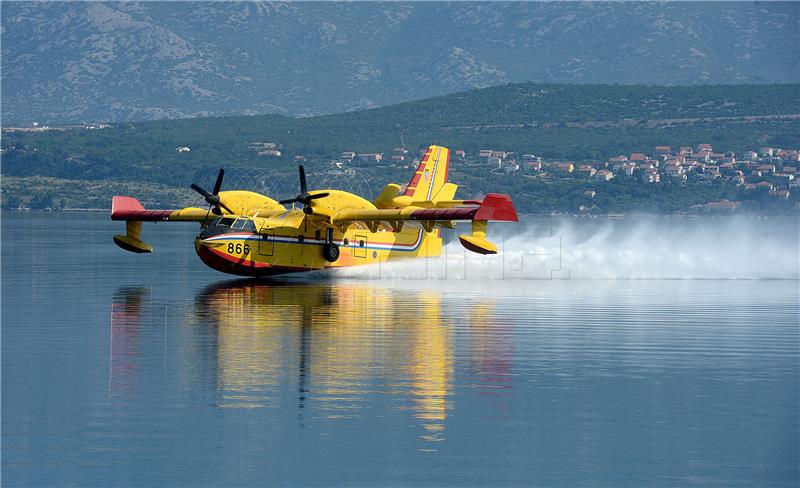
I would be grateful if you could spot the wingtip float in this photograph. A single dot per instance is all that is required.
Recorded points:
(245, 233)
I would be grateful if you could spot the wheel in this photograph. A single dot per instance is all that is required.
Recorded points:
(330, 252)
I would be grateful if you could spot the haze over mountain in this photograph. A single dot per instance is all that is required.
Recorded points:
(88, 61)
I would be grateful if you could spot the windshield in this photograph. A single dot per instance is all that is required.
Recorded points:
(222, 221)
(244, 224)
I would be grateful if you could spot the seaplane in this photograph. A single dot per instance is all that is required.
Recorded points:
(248, 234)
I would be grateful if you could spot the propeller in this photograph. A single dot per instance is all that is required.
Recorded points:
(304, 197)
(213, 198)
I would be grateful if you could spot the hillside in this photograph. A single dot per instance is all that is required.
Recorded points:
(576, 122)
(70, 62)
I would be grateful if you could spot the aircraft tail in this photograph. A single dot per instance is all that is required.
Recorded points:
(431, 174)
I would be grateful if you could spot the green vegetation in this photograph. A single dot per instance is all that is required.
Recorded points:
(577, 122)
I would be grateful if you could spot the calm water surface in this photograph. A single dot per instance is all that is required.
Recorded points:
(153, 370)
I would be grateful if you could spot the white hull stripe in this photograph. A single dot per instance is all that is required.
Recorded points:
(433, 173)
(383, 246)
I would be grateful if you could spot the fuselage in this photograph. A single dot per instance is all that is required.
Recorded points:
(240, 249)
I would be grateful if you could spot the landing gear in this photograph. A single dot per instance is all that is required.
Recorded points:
(330, 251)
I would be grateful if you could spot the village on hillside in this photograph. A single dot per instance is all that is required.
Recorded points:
(770, 169)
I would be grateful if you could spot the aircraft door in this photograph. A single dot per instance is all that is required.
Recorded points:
(360, 244)
(266, 244)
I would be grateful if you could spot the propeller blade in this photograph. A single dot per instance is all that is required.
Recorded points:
(219, 203)
(200, 190)
(303, 188)
(317, 195)
(218, 184)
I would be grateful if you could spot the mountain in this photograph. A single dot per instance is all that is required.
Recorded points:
(90, 61)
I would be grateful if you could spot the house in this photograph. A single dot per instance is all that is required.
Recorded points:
(711, 169)
(780, 193)
(686, 150)
(375, 157)
(638, 157)
(348, 155)
(494, 161)
(751, 155)
(485, 153)
(565, 167)
(401, 151)
(603, 175)
(629, 168)
(766, 152)
(760, 185)
(767, 168)
(182, 149)
(789, 170)
(675, 171)
(722, 205)
(299, 159)
(704, 148)
(461, 154)
(270, 152)
(534, 165)
(662, 150)
(398, 158)
(499, 154)
(586, 170)
(651, 176)
(530, 157)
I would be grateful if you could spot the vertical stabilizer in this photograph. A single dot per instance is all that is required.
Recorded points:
(431, 174)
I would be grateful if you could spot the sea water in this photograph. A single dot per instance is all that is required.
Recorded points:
(648, 351)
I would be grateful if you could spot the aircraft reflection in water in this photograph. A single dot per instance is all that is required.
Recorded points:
(333, 345)
(126, 315)
(339, 338)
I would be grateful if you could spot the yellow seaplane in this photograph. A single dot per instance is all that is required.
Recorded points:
(248, 234)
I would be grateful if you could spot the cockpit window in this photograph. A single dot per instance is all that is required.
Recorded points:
(222, 221)
(244, 224)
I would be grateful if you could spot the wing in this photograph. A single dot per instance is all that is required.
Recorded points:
(130, 210)
(133, 213)
(494, 207)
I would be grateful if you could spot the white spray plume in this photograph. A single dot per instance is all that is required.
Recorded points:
(654, 248)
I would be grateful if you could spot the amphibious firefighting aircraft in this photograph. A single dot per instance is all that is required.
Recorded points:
(248, 234)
